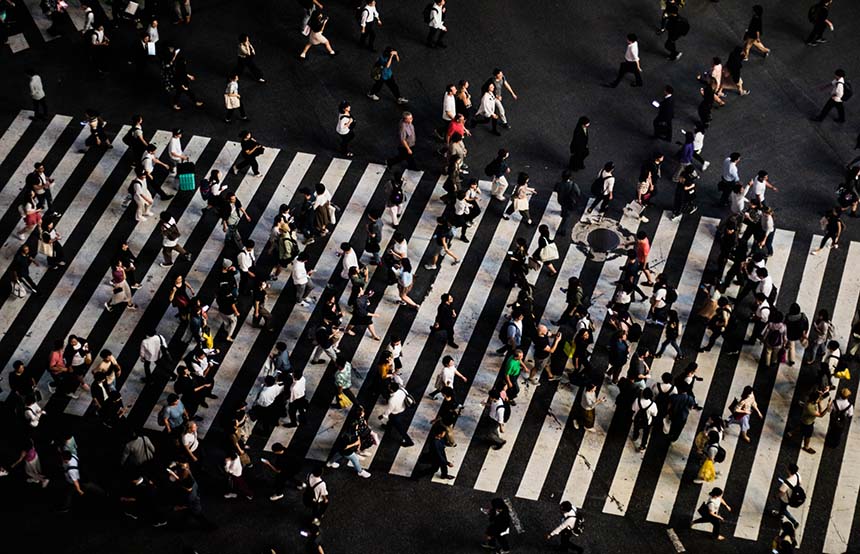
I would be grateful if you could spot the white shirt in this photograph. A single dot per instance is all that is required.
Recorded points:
(175, 148)
(232, 88)
(152, 32)
(447, 375)
(349, 260)
(488, 105)
(190, 441)
(608, 182)
(567, 523)
(233, 466)
(730, 171)
(838, 89)
(343, 122)
(89, 19)
(166, 241)
(632, 53)
(497, 411)
(37, 91)
(245, 260)
(318, 486)
(449, 107)
(698, 141)
(400, 248)
(268, 394)
(147, 163)
(199, 367)
(322, 199)
(369, 15)
(762, 312)
(786, 485)
(300, 273)
(297, 389)
(738, 201)
(758, 188)
(436, 17)
(33, 413)
(765, 286)
(396, 403)
(150, 348)
(650, 409)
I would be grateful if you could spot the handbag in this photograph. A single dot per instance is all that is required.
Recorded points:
(231, 102)
(332, 213)
(18, 289)
(46, 248)
(667, 424)
(343, 401)
(534, 264)
(521, 204)
(548, 253)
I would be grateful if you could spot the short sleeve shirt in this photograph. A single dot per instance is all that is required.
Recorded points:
(513, 367)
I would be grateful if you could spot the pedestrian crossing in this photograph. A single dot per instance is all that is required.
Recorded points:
(28, 25)
(544, 458)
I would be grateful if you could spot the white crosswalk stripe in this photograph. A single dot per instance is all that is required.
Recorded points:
(535, 450)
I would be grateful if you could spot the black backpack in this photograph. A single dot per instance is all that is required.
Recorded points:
(579, 524)
(720, 456)
(641, 417)
(839, 417)
(359, 11)
(797, 496)
(773, 339)
(128, 137)
(671, 295)
(428, 12)
(506, 413)
(503, 331)
(597, 186)
(847, 91)
(491, 169)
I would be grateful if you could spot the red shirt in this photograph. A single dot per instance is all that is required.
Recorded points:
(455, 127)
(643, 248)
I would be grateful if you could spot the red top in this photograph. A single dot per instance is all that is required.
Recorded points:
(454, 127)
(643, 248)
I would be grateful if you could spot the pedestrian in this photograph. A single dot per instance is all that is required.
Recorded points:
(547, 251)
(233, 100)
(441, 246)
(251, 150)
(446, 314)
(567, 529)
(49, 244)
(839, 92)
(398, 401)
(500, 84)
(833, 227)
(405, 144)
(182, 80)
(437, 25)
(174, 150)
(500, 412)
(285, 468)
(309, 7)
(368, 20)
(345, 127)
(732, 73)
(676, 28)
(172, 415)
(601, 192)
(326, 339)
(567, 193)
(350, 443)
(238, 485)
(315, 494)
(435, 456)
(741, 409)
(665, 114)
(182, 9)
(344, 398)
(170, 236)
(373, 238)
(513, 366)
(841, 413)
(152, 349)
(730, 176)
(787, 488)
(383, 74)
(667, 7)
(709, 512)
(405, 281)
(644, 412)
(630, 64)
(298, 402)
(818, 15)
(752, 36)
(710, 95)
(121, 290)
(711, 453)
(785, 541)
(40, 184)
(37, 94)
(520, 199)
(31, 215)
(463, 101)
(498, 170)
(680, 405)
(362, 316)
(812, 410)
(247, 57)
(180, 297)
(579, 144)
(246, 261)
(316, 37)
(672, 330)
(498, 532)
(446, 376)
(797, 329)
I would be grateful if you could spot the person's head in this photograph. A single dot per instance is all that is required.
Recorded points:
(248, 244)
(758, 10)
(735, 157)
(448, 392)
(583, 122)
(498, 504)
(172, 399)
(343, 107)
(18, 366)
(498, 73)
(844, 393)
(502, 154)
(748, 390)
(631, 38)
(647, 394)
(407, 117)
(151, 148)
(565, 506)
(840, 73)
(716, 61)
(760, 297)
(716, 492)
(345, 247)
(609, 167)
(269, 381)
(191, 427)
(832, 345)
(244, 135)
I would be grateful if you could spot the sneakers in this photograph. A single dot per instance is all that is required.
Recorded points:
(364, 474)
(643, 219)
(276, 497)
(705, 165)
(373, 97)
(231, 495)
(431, 267)
(333, 465)
(402, 101)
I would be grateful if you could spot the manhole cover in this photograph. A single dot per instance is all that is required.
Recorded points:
(603, 240)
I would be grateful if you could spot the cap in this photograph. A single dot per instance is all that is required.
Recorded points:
(226, 263)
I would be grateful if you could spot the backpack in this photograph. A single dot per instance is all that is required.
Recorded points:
(308, 495)
(170, 232)
(641, 417)
(634, 333)
(359, 12)
(838, 416)
(812, 14)
(720, 456)
(503, 331)
(683, 26)
(847, 91)
(597, 186)
(396, 197)
(128, 137)
(428, 12)
(205, 189)
(491, 169)
(409, 400)
(671, 295)
(579, 524)
(797, 496)
(773, 338)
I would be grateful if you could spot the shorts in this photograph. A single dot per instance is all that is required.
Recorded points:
(807, 430)
(317, 38)
(542, 363)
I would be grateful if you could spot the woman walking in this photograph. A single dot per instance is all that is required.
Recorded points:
(547, 251)
(316, 37)
(49, 244)
(405, 283)
(121, 289)
(832, 226)
(247, 57)
(251, 150)
(710, 512)
(233, 100)
(31, 216)
(743, 408)
(180, 297)
(585, 410)
(752, 36)
(520, 199)
(345, 126)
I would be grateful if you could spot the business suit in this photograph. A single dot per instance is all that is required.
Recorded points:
(663, 121)
(578, 148)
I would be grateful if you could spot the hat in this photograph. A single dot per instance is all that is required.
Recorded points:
(226, 263)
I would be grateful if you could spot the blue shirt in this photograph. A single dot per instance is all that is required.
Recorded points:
(174, 415)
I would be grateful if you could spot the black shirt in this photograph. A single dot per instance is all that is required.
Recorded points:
(322, 336)
(540, 343)
(754, 28)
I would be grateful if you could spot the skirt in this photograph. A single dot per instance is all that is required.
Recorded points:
(121, 293)
(317, 38)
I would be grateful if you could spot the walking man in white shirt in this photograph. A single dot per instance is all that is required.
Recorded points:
(246, 261)
(394, 411)
(437, 26)
(837, 98)
(787, 488)
(369, 20)
(565, 529)
(151, 350)
(302, 278)
(174, 150)
(630, 63)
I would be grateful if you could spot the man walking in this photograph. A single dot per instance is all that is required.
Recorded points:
(787, 488)
(818, 16)
(630, 64)
(446, 314)
(369, 21)
(676, 27)
(665, 114)
(437, 25)
(730, 177)
(406, 138)
(837, 98)
(395, 410)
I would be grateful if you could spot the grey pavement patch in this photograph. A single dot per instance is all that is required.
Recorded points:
(515, 519)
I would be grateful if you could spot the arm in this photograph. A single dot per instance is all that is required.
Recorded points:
(513, 94)
(448, 251)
